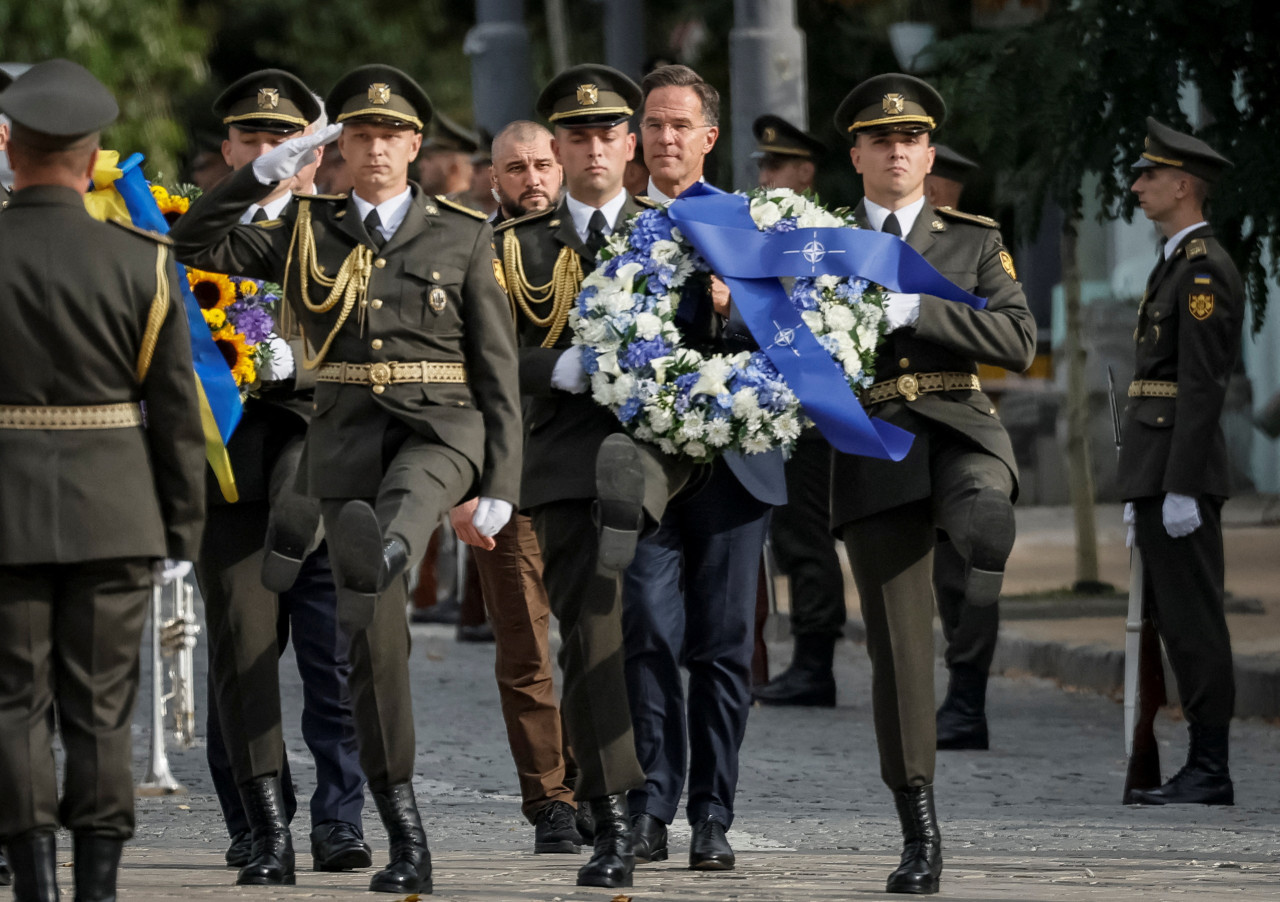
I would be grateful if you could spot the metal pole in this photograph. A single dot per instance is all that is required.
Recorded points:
(501, 79)
(159, 779)
(766, 75)
(624, 47)
(557, 35)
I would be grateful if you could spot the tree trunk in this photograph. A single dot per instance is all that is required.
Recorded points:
(1079, 466)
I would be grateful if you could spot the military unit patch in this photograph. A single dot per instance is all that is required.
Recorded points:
(1200, 303)
(1006, 260)
(437, 299)
(498, 274)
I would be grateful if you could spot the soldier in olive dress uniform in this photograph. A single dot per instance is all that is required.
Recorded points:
(102, 481)
(959, 476)
(1174, 471)
(399, 296)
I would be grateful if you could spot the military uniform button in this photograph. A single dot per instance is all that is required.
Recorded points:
(379, 263)
(904, 362)
(1159, 419)
(376, 303)
(379, 389)
(435, 276)
(376, 344)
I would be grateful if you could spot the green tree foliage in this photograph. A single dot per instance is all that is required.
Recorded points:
(148, 52)
(1067, 97)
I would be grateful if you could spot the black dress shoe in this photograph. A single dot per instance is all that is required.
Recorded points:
(409, 870)
(1204, 780)
(620, 501)
(648, 838)
(446, 612)
(612, 859)
(337, 846)
(962, 718)
(271, 856)
(365, 562)
(709, 848)
(920, 870)
(6, 875)
(809, 681)
(241, 847)
(292, 528)
(33, 859)
(96, 862)
(554, 830)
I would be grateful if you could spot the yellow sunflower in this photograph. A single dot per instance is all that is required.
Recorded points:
(212, 289)
(215, 318)
(235, 350)
(171, 205)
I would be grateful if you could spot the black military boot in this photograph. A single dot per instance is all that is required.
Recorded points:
(409, 870)
(97, 860)
(962, 718)
(809, 680)
(1203, 780)
(271, 858)
(613, 858)
(33, 858)
(920, 870)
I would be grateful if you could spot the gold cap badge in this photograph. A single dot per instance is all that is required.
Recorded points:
(769, 134)
(268, 98)
(588, 95)
(379, 92)
(893, 104)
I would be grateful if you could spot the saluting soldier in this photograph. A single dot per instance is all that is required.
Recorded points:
(959, 476)
(399, 295)
(1173, 461)
(92, 498)
(264, 578)
(546, 255)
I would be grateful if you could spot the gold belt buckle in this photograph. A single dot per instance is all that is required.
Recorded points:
(380, 373)
(908, 387)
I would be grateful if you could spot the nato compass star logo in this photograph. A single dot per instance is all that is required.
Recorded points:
(813, 252)
(785, 337)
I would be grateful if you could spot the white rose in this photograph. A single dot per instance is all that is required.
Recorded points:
(695, 449)
(812, 319)
(839, 318)
(664, 251)
(660, 419)
(765, 214)
(648, 326)
(853, 367)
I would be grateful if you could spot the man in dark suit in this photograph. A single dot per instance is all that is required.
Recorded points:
(545, 256)
(256, 596)
(399, 295)
(1174, 470)
(689, 595)
(959, 476)
(92, 500)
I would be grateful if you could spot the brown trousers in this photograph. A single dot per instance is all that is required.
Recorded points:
(516, 601)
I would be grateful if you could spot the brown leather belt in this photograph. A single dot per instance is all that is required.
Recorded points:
(87, 416)
(910, 386)
(380, 375)
(1152, 388)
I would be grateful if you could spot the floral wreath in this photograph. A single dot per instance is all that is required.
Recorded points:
(696, 404)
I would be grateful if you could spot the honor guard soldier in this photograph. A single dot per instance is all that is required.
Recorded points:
(959, 476)
(400, 297)
(95, 494)
(787, 156)
(945, 182)
(265, 573)
(444, 165)
(1174, 470)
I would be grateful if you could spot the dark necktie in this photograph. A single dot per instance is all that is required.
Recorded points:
(891, 225)
(595, 233)
(373, 225)
(259, 215)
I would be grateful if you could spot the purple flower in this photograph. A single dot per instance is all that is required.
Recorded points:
(254, 322)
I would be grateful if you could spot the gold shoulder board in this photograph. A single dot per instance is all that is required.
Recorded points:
(1196, 248)
(460, 208)
(643, 201)
(985, 221)
(302, 196)
(521, 220)
(145, 233)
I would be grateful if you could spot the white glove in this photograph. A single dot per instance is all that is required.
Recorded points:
(491, 515)
(901, 310)
(568, 374)
(286, 160)
(167, 570)
(282, 365)
(1129, 520)
(1181, 515)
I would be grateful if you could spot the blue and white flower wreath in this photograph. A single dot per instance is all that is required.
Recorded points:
(696, 404)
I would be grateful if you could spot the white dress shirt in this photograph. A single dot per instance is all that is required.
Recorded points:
(876, 215)
(581, 213)
(390, 212)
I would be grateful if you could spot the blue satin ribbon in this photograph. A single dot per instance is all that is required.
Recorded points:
(720, 228)
(210, 366)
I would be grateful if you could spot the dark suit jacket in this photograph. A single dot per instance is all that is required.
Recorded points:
(1189, 333)
(438, 248)
(76, 296)
(949, 337)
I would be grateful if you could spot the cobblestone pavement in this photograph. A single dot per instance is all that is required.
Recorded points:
(1035, 818)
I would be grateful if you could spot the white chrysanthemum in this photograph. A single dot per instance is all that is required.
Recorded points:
(667, 446)
(827, 283)
(867, 336)
(648, 326)
(786, 426)
(839, 318)
(601, 388)
(853, 367)
(718, 433)
(592, 331)
(756, 443)
(691, 427)
(644, 433)
(623, 388)
(746, 403)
